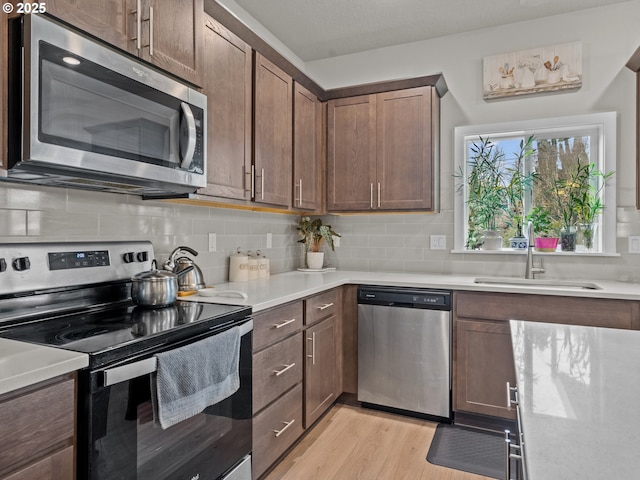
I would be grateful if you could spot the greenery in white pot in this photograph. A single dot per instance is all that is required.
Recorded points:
(314, 232)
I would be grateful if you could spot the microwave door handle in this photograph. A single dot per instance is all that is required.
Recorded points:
(187, 136)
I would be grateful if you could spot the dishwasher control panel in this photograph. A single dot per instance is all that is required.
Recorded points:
(401, 297)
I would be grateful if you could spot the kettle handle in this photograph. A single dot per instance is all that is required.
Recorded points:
(170, 264)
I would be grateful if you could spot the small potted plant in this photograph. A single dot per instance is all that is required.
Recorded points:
(314, 233)
(542, 228)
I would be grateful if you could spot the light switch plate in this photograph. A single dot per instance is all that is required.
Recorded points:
(336, 241)
(269, 240)
(438, 242)
(634, 244)
(212, 242)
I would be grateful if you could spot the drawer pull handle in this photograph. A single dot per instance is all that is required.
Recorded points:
(282, 430)
(287, 367)
(325, 306)
(312, 339)
(280, 325)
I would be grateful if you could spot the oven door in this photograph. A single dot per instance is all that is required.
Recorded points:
(120, 440)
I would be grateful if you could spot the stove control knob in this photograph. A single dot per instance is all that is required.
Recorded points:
(21, 264)
(128, 257)
(3, 264)
(142, 256)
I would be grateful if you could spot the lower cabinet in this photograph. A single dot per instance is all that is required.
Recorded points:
(320, 369)
(37, 431)
(483, 357)
(275, 429)
(277, 383)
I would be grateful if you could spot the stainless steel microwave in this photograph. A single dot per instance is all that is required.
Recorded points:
(84, 115)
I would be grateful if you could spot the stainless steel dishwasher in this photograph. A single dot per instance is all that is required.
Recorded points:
(404, 349)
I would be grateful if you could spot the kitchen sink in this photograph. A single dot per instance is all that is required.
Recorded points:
(537, 282)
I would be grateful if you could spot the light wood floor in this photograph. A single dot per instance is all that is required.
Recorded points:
(351, 443)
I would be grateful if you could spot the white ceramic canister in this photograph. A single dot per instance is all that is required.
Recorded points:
(253, 267)
(263, 269)
(238, 267)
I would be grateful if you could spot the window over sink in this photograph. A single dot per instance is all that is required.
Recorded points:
(557, 172)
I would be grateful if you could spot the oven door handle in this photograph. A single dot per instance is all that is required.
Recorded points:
(114, 375)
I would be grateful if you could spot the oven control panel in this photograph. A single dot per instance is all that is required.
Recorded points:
(29, 267)
(83, 259)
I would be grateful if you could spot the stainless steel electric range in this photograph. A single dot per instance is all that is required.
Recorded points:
(76, 296)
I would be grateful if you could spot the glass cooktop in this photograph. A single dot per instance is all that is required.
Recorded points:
(111, 334)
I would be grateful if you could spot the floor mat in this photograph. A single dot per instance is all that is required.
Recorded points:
(467, 449)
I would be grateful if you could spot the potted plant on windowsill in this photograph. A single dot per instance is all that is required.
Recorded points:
(487, 198)
(542, 227)
(314, 233)
(517, 182)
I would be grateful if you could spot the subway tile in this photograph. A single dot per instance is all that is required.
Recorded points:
(13, 223)
(41, 223)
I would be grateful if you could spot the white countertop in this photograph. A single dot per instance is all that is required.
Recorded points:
(285, 287)
(23, 364)
(578, 391)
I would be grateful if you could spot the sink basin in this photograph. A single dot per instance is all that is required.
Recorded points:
(537, 282)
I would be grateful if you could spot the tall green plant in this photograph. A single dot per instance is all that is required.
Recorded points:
(517, 183)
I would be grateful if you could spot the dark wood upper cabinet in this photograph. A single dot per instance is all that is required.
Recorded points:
(634, 64)
(351, 153)
(169, 34)
(306, 148)
(272, 118)
(227, 82)
(382, 151)
(109, 20)
(404, 162)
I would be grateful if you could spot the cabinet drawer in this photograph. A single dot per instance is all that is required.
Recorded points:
(275, 430)
(35, 422)
(58, 466)
(276, 324)
(275, 370)
(320, 306)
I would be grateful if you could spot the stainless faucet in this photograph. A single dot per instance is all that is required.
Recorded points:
(530, 271)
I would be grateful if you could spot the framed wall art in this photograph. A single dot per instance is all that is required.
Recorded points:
(526, 72)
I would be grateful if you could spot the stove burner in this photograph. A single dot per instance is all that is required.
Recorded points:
(71, 333)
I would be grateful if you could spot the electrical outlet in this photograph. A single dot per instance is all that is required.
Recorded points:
(634, 244)
(336, 241)
(269, 240)
(212, 242)
(438, 242)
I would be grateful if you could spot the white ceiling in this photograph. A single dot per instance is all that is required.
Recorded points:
(317, 29)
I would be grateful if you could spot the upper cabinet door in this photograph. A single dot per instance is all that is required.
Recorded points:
(306, 151)
(272, 134)
(110, 20)
(174, 35)
(404, 150)
(227, 79)
(351, 153)
(167, 34)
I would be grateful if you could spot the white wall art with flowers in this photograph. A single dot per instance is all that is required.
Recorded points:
(537, 70)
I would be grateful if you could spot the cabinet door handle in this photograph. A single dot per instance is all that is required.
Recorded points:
(312, 339)
(286, 367)
(300, 192)
(280, 325)
(253, 181)
(378, 194)
(137, 13)
(151, 31)
(286, 425)
(325, 306)
(512, 401)
(371, 196)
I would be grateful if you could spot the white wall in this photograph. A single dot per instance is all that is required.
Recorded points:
(609, 36)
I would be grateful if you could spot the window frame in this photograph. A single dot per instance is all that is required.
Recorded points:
(603, 123)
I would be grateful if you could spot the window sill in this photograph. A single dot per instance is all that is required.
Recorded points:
(509, 251)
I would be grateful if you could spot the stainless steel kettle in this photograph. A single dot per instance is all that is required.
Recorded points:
(192, 280)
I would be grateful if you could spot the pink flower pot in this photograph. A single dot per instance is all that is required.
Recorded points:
(546, 244)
